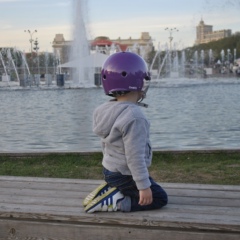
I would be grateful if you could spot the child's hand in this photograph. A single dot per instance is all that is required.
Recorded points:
(145, 197)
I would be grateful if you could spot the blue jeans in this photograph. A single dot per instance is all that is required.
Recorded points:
(127, 187)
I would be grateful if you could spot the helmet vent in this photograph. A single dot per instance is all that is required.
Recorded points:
(104, 77)
(124, 74)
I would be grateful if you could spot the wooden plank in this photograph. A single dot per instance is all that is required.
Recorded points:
(50, 201)
(24, 230)
(87, 188)
(169, 221)
(231, 211)
(97, 182)
(204, 201)
(33, 205)
(230, 198)
(50, 180)
(77, 201)
(48, 185)
(41, 193)
(210, 208)
(170, 208)
(203, 193)
(172, 199)
(159, 218)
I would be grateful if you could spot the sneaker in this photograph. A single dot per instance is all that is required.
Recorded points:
(106, 202)
(104, 187)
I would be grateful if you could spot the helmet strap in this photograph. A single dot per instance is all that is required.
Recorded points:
(140, 103)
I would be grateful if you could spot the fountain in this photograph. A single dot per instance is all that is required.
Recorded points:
(158, 52)
(183, 63)
(84, 65)
(48, 76)
(171, 62)
(210, 54)
(196, 64)
(9, 56)
(5, 76)
(25, 79)
(15, 70)
(80, 55)
(174, 69)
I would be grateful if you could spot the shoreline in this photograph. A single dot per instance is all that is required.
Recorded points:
(43, 153)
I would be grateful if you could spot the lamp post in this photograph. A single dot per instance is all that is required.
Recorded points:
(31, 42)
(31, 37)
(171, 30)
(36, 48)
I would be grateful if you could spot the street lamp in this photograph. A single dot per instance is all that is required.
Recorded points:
(31, 39)
(31, 42)
(171, 30)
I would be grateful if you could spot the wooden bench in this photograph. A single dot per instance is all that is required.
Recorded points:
(51, 209)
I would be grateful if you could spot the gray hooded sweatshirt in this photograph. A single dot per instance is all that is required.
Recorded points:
(124, 132)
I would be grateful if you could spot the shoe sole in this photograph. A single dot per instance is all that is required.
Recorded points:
(94, 194)
(97, 200)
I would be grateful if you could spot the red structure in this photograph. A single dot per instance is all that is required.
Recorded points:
(105, 42)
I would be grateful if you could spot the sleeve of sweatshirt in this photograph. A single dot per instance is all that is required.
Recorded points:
(135, 138)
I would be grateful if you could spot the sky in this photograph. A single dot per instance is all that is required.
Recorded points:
(124, 19)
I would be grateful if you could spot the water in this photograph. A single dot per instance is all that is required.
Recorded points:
(196, 114)
(184, 114)
(80, 47)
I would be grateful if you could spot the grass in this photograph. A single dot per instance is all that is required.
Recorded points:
(203, 167)
(197, 167)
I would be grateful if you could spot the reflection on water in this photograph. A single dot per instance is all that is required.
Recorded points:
(184, 114)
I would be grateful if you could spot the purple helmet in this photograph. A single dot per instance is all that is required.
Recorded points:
(124, 72)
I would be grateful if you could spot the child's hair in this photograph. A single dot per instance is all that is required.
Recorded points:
(119, 93)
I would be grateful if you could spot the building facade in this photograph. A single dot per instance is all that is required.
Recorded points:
(61, 47)
(142, 46)
(205, 33)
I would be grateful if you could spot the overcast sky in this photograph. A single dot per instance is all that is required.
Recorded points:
(124, 19)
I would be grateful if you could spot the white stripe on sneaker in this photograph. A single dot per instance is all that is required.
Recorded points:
(106, 202)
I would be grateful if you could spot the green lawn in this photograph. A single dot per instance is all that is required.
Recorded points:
(206, 167)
